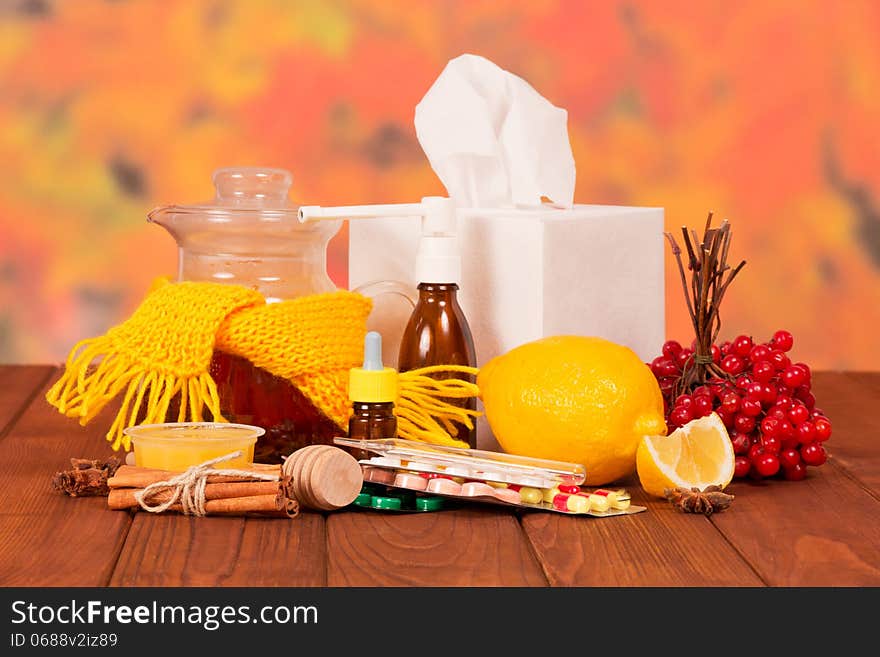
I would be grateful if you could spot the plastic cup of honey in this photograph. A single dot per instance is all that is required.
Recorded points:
(178, 445)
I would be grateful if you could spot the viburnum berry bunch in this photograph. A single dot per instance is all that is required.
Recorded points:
(763, 398)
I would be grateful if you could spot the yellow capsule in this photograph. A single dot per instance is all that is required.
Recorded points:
(612, 496)
(531, 495)
(497, 484)
(619, 499)
(578, 504)
(599, 503)
(550, 493)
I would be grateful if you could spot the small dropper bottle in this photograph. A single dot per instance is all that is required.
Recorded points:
(372, 390)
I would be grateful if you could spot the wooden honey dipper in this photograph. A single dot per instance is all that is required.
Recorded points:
(322, 477)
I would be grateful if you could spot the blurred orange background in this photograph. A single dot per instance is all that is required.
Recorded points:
(766, 113)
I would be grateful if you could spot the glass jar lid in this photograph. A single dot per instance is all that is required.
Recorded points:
(243, 190)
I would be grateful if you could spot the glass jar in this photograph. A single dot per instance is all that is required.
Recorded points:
(250, 235)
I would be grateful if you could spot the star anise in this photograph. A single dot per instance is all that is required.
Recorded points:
(706, 501)
(86, 477)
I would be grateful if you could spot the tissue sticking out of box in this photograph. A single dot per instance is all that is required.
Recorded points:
(493, 140)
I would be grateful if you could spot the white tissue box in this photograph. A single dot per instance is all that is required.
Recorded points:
(527, 274)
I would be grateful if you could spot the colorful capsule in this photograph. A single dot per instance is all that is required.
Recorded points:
(599, 503)
(508, 495)
(476, 488)
(618, 499)
(443, 486)
(411, 481)
(550, 494)
(378, 475)
(571, 503)
(392, 503)
(531, 495)
(429, 503)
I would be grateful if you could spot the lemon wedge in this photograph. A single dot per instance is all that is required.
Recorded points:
(699, 454)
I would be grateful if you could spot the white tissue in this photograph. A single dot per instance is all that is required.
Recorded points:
(492, 139)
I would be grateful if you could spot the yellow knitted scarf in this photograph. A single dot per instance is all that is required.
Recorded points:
(164, 350)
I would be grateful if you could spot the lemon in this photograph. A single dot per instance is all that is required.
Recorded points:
(572, 398)
(698, 454)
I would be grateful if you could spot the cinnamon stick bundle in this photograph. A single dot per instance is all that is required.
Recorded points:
(223, 494)
(125, 498)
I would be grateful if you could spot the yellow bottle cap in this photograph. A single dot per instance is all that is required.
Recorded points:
(372, 386)
(372, 383)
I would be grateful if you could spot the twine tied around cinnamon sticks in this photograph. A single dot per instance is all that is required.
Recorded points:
(319, 477)
(188, 488)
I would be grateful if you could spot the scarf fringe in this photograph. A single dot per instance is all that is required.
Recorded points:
(84, 390)
(421, 409)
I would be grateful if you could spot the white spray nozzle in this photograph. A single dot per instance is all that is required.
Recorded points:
(373, 352)
(438, 259)
(309, 213)
(438, 213)
(438, 216)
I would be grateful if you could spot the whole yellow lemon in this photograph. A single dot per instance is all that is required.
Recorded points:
(573, 398)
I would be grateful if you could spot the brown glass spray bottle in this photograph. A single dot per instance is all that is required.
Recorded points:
(437, 332)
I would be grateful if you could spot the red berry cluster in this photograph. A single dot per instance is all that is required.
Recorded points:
(766, 405)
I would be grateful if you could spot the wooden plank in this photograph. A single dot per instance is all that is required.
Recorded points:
(464, 547)
(68, 544)
(41, 443)
(175, 550)
(49, 539)
(18, 385)
(658, 547)
(850, 400)
(822, 531)
(285, 553)
(870, 380)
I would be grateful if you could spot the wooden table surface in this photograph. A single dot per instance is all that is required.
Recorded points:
(824, 531)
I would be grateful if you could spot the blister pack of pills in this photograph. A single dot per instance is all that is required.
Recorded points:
(488, 477)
